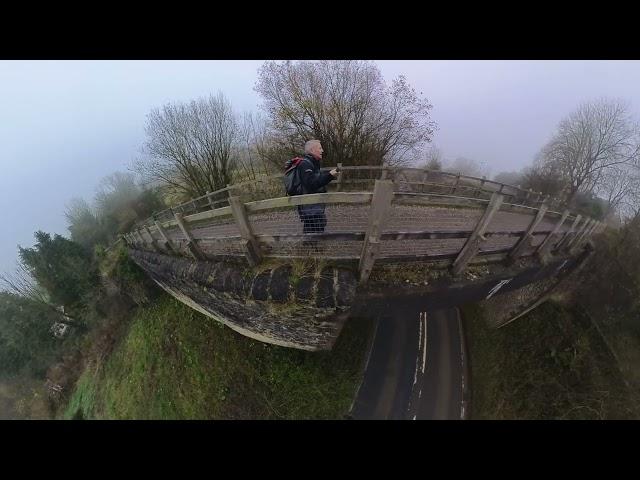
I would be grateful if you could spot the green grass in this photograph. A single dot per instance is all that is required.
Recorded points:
(175, 363)
(549, 364)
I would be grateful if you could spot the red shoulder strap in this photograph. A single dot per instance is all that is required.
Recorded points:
(294, 163)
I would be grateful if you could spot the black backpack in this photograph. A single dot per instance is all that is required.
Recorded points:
(292, 182)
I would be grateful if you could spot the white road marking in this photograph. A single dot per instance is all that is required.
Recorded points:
(498, 286)
(462, 365)
(561, 266)
(422, 346)
(415, 375)
(424, 349)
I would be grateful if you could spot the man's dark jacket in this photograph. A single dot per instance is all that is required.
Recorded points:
(312, 179)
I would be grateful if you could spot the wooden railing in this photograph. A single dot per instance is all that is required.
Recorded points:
(408, 214)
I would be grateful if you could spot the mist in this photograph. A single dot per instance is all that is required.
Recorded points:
(67, 124)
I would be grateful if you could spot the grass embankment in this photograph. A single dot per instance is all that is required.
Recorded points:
(549, 364)
(175, 363)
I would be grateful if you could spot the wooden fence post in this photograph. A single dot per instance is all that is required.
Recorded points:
(480, 188)
(142, 240)
(154, 243)
(472, 245)
(545, 246)
(571, 245)
(586, 235)
(547, 200)
(455, 185)
(192, 245)
(210, 200)
(167, 243)
(575, 234)
(569, 233)
(585, 228)
(249, 242)
(598, 229)
(526, 198)
(380, 210)
(339, 179)
(525, 240)
(425, 177)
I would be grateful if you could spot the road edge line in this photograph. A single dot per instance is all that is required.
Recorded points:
(366, 366)
(466, 400)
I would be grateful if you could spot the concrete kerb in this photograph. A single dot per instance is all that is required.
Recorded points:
(366, 365)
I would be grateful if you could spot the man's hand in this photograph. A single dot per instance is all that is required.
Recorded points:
(334, 172)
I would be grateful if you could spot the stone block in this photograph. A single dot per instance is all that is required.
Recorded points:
(324, 294)
(346, 292)
(304, 288)
(279, 286)
(260, 287)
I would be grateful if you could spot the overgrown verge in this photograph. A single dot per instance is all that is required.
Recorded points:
(608, 290)
(550, 364)
(106, 312)
(175, 363)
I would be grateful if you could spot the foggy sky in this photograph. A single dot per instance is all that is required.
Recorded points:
(66, 124)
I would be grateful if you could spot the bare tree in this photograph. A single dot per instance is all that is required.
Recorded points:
(254, 148)
(543, 177)
(116, 201)
(83, 223)
(22, 283)
(619, 186)
(192, 147)
(509, 178)
(467, 166)
(596, 137)
(433, 158)
(348, 107)
(115, 191)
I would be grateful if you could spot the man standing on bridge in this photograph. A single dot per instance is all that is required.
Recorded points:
(313, 180)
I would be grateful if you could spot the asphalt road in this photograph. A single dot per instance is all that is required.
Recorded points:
(416, 365)
(415, 368)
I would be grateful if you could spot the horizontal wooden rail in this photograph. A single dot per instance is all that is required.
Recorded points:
(314, 198)
(179, 230)
(406, 198)
(218, 212)
(221, 239)
(482, 183)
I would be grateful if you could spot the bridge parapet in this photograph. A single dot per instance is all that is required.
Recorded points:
(395, 215)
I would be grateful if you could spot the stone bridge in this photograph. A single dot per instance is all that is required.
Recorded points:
(239, 255)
